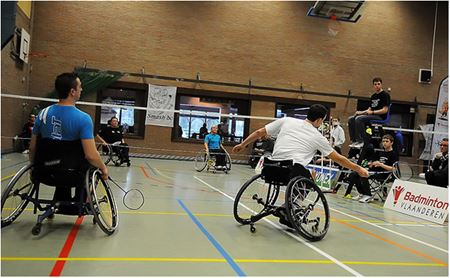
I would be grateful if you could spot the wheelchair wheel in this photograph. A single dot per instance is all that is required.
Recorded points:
(253, 198)
(13, 201)
(201, 160)
(105, 152)
(227, 162)
(307, 208)
(101, 201)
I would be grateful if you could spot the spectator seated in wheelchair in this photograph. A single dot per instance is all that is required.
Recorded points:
(382, 163)
(112, 135)
(213, 146)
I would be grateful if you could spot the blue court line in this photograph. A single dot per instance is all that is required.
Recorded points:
(439, 240)
(151, 169)
(219, 248)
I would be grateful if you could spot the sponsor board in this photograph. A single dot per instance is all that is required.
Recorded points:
(325, 177)
(419, 200)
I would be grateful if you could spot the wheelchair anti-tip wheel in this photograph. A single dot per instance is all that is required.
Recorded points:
(14, 197)
(307, 208)
(101, 201)
(201, 160)
(253, 199)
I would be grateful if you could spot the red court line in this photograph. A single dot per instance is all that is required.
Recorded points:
(153, 178)
(59, 265)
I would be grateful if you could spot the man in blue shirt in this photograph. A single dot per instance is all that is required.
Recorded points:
(213, 145)
(63, 121)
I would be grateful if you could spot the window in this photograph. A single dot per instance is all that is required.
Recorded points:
(131, 120)
(195, 111)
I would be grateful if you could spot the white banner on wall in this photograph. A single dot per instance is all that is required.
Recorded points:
(441, 120)
(420, 200)
(160, 97)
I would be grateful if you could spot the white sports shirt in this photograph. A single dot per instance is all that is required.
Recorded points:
(297, 140)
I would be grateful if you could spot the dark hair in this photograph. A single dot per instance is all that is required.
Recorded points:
(114, 117)
(389, 137)
(377, 79)
(445, 139)
(316, 111)
(64, 83)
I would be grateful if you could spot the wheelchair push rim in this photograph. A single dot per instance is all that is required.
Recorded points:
(307, 208)
(254, 198)
(106, 156)
(201, 160)
(12, 203)
(102, 203)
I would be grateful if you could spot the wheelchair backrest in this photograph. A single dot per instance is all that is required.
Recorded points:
(277, 172)
(59, 162)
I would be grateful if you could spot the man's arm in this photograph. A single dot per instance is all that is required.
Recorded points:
(384, 166)
(101, 139)
(250, 139)
(93, 157)
(344, 162)
(381, 111)
(32, 148)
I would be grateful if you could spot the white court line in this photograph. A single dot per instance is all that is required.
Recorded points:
(436, 226)
(331, 258)
(411, 225)
(391, 231)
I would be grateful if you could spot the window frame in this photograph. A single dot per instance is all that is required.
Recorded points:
(140, 97)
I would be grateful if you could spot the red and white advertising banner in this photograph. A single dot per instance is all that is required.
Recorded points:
(419, 200)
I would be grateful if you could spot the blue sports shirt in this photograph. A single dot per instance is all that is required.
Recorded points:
(67, 123)
(213, 141)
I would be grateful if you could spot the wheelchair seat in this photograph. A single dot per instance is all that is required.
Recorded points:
(277, 171)
(59, 163)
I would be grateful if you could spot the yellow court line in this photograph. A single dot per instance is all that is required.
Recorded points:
(213, 260)
(230, 215)
(7, 177)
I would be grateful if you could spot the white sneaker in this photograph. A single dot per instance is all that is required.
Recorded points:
(366, 199)
(26, 151)
(357, 197)
(358, 145)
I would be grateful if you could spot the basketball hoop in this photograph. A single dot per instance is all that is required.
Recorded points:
(333, 26)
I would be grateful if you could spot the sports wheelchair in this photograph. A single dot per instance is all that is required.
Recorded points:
(115, 153)
(60, 164)
(305, 205)
(207, 160)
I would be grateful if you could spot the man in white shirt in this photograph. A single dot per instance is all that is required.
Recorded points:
(337, 135)
(299, 140)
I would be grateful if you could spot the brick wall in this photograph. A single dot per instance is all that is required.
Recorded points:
(273, 43)
(15, 80)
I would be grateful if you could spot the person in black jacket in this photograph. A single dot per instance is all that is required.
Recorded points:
(438, 172)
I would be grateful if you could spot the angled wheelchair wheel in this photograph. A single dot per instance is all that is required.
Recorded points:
(101, 202)
(14, 199)
(201, 160)
(106, 153)
(254, 197)
(307, 208)
(227, 162)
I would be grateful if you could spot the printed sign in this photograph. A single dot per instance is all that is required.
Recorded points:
(160, 97)
(419, 200)
(326, 177)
